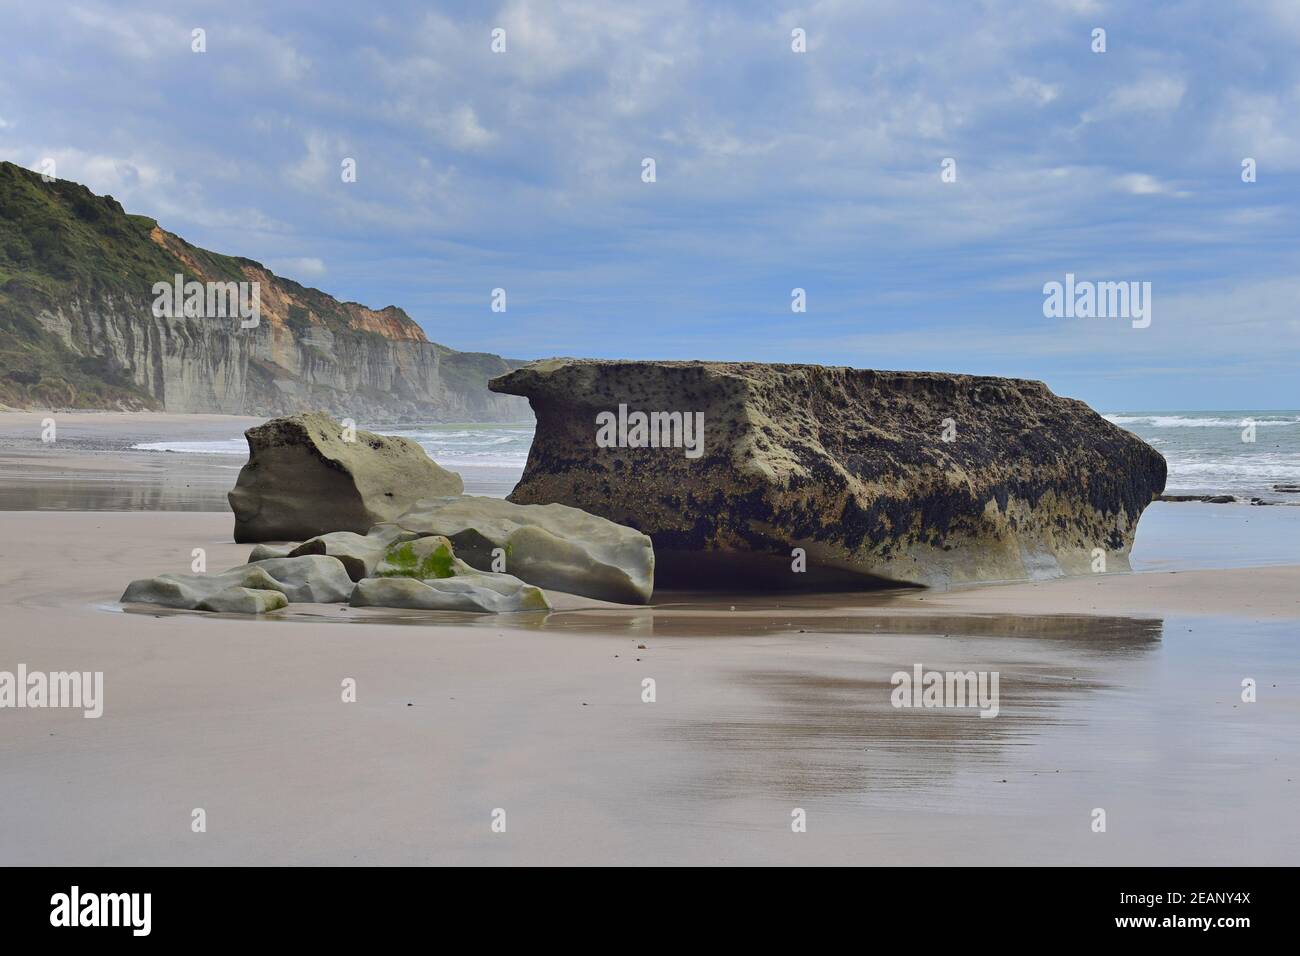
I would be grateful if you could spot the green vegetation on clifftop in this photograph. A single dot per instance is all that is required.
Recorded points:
(59, 241)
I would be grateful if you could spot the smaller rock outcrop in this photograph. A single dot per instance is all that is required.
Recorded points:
(316, 579)
(393, 568)
(189, 591)
(552, 546)
(360, 553)
(263, 551)
(244, 601)
(429, 556)
(307, 475)
(471, 591)
(310, 578)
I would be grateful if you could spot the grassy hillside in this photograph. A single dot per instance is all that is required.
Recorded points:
(59, 240)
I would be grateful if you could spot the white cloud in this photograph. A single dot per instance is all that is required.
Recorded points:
(137, 34)
(130, 176)
(1144, 184)
(463, 128)
(1152, 93)
(1078, 7)
(320, 164)
(1260, 125)
(292, 268)
(1027, 87)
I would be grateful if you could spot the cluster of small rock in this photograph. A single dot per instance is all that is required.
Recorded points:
(386, 568)
(447, 552)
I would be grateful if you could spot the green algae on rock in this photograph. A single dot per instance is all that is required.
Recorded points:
(426, 557)
(551, 546)
(387, 568)
(465, 590)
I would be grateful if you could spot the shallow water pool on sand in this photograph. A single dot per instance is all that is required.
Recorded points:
(1178, 536)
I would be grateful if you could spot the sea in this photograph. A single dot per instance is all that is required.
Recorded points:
(489, 457)
(1206, 450)
(1209, 452)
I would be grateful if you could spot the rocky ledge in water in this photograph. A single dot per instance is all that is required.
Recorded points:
(743, 473)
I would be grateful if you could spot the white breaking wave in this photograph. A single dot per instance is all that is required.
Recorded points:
(232, 446)
(458, 447)
(516, 462)
(1185, 421)
(490, 437)
(1238, 474)
(1214, 452)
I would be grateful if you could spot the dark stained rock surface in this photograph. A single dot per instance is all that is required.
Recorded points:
(849, 465)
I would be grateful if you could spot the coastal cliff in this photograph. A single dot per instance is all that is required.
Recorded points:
(78, 328)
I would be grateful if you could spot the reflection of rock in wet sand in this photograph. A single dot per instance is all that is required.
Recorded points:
(824, 723)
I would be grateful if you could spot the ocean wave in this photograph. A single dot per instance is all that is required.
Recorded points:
(483, 461)
(451, 455)
(1279, 471)
(494, 435)
(470, 442)
(1187, 421)
(228, 446)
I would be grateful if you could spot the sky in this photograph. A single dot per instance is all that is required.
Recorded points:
(820, 170)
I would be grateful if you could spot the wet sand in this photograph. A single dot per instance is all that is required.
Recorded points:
(1119, 692)
(90, 465)
(781, 704)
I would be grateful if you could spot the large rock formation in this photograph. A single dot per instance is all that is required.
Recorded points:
(912, 477)
(306, 475)
(78, 328)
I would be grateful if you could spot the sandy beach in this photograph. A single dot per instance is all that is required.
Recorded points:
(1118, 691)
(530, 434)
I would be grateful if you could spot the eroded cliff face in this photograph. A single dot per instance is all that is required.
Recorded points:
(906, 477)
(78, 328)
(214, 365)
